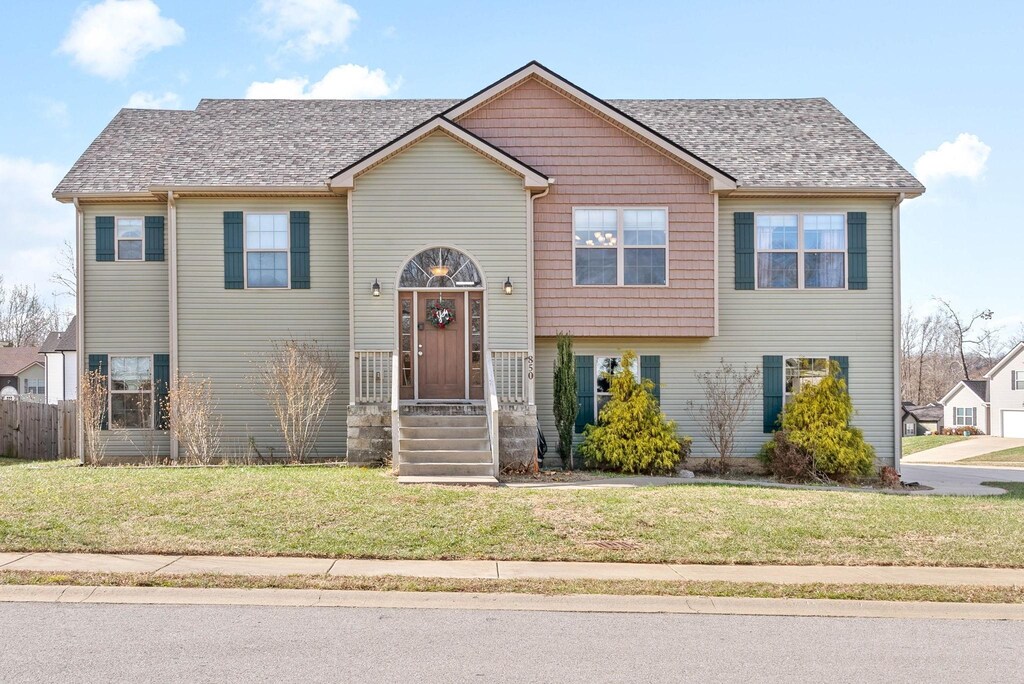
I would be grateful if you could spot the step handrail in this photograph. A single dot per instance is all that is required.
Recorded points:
(492, 412)
(395, 453)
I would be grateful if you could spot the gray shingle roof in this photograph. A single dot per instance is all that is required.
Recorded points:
(69, 338)
(50, 343)
(804, 143)
(979, 387)
(13, 360)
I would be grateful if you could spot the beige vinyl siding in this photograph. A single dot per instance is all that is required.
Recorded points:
(224, 334)
(1002, 396)
(857, 324)
(965, 398)
(125, 312)
(440, 193)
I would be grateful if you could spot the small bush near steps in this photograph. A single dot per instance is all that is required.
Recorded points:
(632, 435)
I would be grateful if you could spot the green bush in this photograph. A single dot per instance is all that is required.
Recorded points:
(565, 404)
(632, 435)
(817, 422)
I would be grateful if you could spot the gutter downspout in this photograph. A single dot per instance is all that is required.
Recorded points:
(531, 326)
(80, 312)
(897, 329)
(172, 294)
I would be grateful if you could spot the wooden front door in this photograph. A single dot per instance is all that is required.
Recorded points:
(441, 350)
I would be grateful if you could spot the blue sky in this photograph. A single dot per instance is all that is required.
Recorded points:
(913, 75)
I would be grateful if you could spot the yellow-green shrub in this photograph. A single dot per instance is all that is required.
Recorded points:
(632, 435)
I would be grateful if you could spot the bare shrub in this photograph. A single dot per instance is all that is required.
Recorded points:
(92, 404)
(298, 380)
(787, 461)
(888, 478)
(194, 421)
(729, 393)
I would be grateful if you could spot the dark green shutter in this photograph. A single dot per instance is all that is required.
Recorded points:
(98, 364)
(650, 369)
(234, 258)
(584, 392)
(857, 227)
(161, 387)
(844, 368)
(773, 391)
(743, 235)
(154, 238)
(104, 238)
(299, 221)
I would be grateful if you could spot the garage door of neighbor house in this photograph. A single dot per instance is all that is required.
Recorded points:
(1013, 423)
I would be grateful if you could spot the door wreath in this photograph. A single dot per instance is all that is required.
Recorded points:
(441, 313)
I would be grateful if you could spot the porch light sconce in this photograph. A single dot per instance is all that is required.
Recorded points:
(376, 288)
(508, 286)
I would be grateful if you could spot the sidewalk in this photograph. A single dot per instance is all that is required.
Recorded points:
(473, 569)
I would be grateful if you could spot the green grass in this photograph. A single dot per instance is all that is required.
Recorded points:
(861, 592)
(361, 513)
(1014, 456)
(913, 445)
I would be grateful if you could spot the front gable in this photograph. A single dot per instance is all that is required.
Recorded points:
(1013, 361)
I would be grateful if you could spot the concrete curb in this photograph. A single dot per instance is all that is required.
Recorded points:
(583, 603)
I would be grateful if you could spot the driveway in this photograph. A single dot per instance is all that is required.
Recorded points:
(957, 451)
(960, 479)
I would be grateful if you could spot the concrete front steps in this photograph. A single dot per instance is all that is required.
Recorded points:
(444, 444)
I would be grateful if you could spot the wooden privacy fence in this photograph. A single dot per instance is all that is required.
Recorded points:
(37, 431)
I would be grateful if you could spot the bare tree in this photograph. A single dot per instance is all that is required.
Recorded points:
(92, 403)
(24, 319)
(193, 419)
(66, 277)
(299, 379)
(962, 326)
(729, 394)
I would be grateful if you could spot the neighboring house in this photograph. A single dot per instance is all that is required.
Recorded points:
(22, 375)
(921, 420)
(761, 232)
(59, 349)
(994, 404)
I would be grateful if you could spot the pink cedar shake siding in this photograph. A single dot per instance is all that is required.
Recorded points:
(596, 163)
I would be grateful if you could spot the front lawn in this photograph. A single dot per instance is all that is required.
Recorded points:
(912, 445)
(1014, 456)
(359, 513)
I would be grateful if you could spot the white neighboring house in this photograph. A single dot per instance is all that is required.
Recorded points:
(994, 404)
(61, 355)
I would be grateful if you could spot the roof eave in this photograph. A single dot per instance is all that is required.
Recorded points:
(841, 191)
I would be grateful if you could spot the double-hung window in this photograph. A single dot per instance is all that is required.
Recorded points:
(801, 371)
(266, 250)
(35, 386)
(618, 246)
(129, 239)
(967, 417)
(605, 366)
(1018, 380)
(806, 251)
(131, 392)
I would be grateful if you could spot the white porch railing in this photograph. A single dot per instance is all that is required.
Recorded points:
(513, 372)
(374, 376)
(492, 411)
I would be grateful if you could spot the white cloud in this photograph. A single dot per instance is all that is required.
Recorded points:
(345, 82)
(35, 223)
(146, 100)
(107, 38)
(56, 111)
(965, 157)
(307, 27)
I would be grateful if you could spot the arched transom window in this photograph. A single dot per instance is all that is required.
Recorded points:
(440, 267)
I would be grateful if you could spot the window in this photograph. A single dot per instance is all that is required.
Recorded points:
(801, 251)
(129, 239)
(34, 386)
(800, 371)
(602, 389)
(266, 250)
(909, 430)
(620, 246)
(131, 392)
(440, 267)
(966, 417)
(1018, 380)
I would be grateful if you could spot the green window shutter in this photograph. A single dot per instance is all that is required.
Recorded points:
(154, 238)
(743, 232)
(161, 387)
(584, 392)
(844, 368)
(98, 364)
(773, 391)
(650, 369)
(104, 238)
(299, 221)
(857, 228)
(234, 257)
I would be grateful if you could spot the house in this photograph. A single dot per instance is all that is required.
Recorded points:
(59, 350)
(21, 374)
(921, 420)
(994, 404)
(436, 247)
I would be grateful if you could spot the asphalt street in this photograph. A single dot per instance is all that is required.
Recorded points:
(136, 643)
